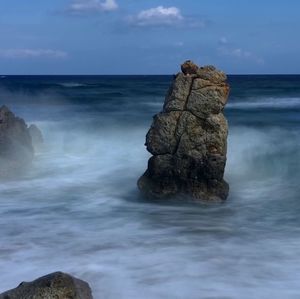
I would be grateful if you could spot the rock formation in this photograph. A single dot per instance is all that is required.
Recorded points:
(53, 286)
(36, 136)
(16, 150)
(188, 139)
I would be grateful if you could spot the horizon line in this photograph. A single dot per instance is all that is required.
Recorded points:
(237, 74)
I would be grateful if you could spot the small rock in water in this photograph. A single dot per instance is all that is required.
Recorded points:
(53, 286)
(188, 139)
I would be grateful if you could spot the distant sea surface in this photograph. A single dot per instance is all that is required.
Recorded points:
(78, 209)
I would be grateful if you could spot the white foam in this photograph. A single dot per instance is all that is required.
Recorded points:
(77, 212)
(267, 103)
(72, 84)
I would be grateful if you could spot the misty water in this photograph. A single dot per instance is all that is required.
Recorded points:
(78, 209)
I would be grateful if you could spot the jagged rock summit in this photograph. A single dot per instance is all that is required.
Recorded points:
(57, 285)
(188, 139)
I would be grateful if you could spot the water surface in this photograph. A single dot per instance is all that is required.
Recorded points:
(78, 209)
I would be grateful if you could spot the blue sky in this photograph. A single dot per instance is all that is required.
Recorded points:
(148, 37)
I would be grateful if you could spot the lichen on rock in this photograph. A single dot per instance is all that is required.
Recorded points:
(188, 139)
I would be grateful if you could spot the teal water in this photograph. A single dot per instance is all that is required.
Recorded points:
(78, 209)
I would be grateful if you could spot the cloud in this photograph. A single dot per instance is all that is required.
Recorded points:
(239, 53)
(223, 40)
(227, 49)
(32, 53)
(179, 44)
(158, 16)
(91, 6)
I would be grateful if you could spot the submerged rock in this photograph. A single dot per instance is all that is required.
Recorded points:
(188, 139)
(53, 286)
(16, 150)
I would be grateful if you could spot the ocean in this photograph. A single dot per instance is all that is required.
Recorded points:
(78, 209)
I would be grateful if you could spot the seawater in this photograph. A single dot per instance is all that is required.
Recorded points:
(78, 209)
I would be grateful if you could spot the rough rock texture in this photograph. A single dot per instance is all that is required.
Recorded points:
(188, 139)
(53, 286)
(16, 150)
(36, 136)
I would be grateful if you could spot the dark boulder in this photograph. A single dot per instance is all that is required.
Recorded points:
(53, 286)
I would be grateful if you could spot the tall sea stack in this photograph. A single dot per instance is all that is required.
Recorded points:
(188, 139)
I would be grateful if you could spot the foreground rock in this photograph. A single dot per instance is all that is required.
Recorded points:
(53, 286)
(16, 150)
(188, 139)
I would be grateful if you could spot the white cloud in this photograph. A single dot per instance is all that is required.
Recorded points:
(240, 53)
(158, 16)
(227, 49)
(88, 6)
(223, 40)
(32, 53)
(179, 44)
(243, 54)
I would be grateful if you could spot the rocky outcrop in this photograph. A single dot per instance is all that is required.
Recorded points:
(36, 136)
(16, 150)
(53, 286)
(188, 139)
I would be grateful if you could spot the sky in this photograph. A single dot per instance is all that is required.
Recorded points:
(148, 37)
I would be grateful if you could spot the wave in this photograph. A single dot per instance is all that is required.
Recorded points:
(82, 193)
(72, 84)
(266, 103)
